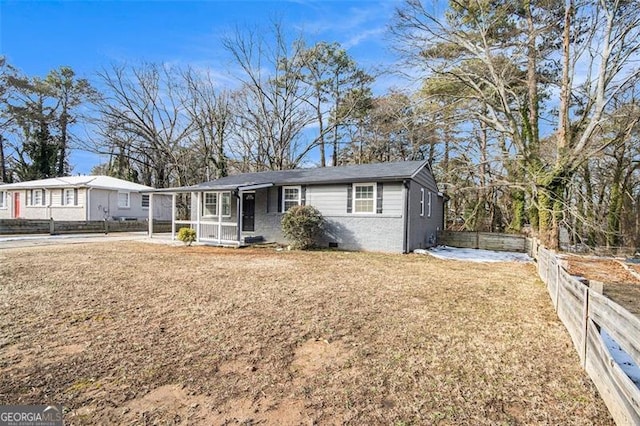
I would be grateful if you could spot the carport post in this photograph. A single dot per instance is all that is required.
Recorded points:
(150, 214)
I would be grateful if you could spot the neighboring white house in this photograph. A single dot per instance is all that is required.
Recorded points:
(80, 198)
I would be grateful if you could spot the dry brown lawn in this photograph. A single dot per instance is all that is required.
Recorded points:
(136, 333)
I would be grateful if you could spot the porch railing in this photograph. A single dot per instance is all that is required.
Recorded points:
(210, 231)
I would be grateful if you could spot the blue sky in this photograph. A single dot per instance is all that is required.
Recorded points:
(38, 36)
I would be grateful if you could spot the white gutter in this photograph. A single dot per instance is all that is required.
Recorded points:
(254, 187)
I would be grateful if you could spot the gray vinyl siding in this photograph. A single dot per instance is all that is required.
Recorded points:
(331, 200)
(372, 232)
(423, 230)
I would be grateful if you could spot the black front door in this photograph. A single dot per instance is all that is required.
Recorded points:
(248, 211)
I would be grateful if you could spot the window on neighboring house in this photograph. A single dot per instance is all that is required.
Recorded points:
(364, 198)
(145, 201)
(3, 199)
(123, 200)
(421, 201)
(69, 197)
(226, 204)
(291, 196)
(429, 205)
(37, 197)
(210, 204)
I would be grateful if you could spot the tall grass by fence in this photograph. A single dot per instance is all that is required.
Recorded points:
(484, 240)
(28, 226)
(586, 313)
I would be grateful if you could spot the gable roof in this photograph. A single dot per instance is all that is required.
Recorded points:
(100, 182)
(378, 172)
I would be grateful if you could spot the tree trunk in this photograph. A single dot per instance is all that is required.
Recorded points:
(550, 202)
(3, 162)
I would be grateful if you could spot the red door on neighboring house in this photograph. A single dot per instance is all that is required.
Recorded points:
(16, 205)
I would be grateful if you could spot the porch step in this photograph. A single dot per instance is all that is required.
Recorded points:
(253, 240)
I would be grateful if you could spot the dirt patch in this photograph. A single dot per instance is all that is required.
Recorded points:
(620, 285)
(133, 333)
(316, 355)
(600, 269)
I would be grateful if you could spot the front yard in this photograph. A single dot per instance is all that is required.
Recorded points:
(137, 333)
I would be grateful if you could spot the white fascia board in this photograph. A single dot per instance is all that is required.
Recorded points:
(254, 187)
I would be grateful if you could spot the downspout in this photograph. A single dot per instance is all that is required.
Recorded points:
(44, 194)
(407, 186)
(88, 204)
(150, 214)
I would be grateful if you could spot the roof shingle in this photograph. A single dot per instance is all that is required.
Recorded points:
(320, 175)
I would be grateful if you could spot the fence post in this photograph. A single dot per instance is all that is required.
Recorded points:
(106, 227)
(585, 326)
(557, 285)
(52, 226)
(477, 240)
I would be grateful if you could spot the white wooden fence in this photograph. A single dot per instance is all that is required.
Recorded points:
(585, 312)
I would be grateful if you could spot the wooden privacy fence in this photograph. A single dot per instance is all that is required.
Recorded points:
(484, 240)
(29, 226)
(585, 312)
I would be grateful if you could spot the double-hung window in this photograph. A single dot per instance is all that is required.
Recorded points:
(123, 200)
(291, 196)
(364, 197)
(38, 197)
(429, 205)
(69, 197)
(210, 205)
(225, 204)
(3, 199)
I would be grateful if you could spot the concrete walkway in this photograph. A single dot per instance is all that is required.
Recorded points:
(18, 241)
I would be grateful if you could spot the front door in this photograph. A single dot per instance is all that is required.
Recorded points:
(16, 205)
(248, 211)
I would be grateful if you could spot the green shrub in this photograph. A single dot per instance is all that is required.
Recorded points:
(187, 235)
(303, 226)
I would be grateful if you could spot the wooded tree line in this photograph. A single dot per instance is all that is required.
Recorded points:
(527, 111)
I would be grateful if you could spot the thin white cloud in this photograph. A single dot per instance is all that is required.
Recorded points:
(358, 38)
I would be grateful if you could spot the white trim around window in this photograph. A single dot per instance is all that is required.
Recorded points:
(429, 205)
(69, 197)
(124, 200)
(421, 202)
(364, 198)
(291, 196)
(36, 197)
(210, 204)
(225, 204)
